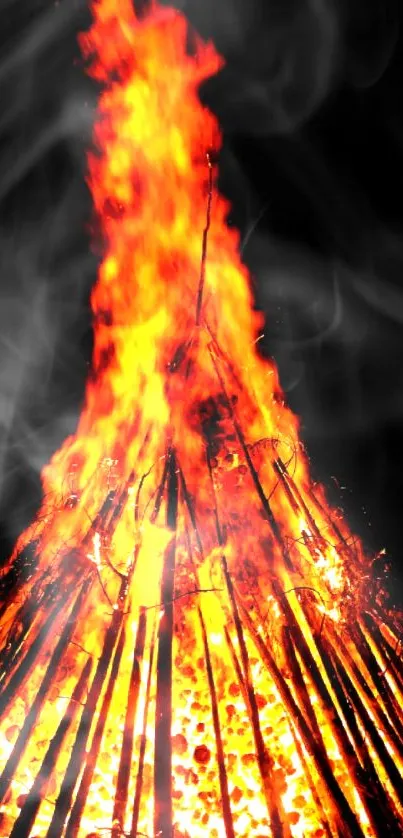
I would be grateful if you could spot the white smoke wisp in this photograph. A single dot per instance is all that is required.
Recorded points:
(46, 267)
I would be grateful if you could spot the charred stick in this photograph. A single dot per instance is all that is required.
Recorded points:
(347, 820)
(344, 744)
(265, 762)
(63, 802)
(389, 661)
(299, 682)
(163, 825)
(277, 820)
(224, 357)
(394, 727)
(331, 521)
(142, 748)
(204, 243)
(372, 731)
(161, 489)
(255, 477)
(122, 785)
(235, 663)
(281, 472)
(376, 802)
(300, 686)
(14, 644)
(263, 757)
(26, 819)
(37, 704)
(312, 786)
(222, 773)
(26, 664)
(19, 572)
(245, 693)
(392, 661)
(287, 480)
(99, 520)
(73, 823)
(118, 507)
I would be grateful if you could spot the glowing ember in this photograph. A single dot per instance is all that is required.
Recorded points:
(190, 643)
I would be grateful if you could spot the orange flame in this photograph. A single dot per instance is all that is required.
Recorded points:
(221, 671)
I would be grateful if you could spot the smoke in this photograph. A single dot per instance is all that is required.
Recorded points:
(281, 61)
(46, 269)
(285, 57)
(333, 332)
(371, 34)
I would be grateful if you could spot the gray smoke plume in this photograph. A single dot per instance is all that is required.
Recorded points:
(46, 268)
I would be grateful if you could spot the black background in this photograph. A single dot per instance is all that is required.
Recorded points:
(310, 106)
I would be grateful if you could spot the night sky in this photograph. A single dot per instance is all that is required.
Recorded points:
(312, 161)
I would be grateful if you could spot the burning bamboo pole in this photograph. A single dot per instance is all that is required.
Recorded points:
(386, 651)
(64, 800)
(37, 705)
(25, 821)
(277, 819)
(357, 774)
(73, 823)
(316, 796)
(377, 802)
(163, 825)
(388, 719)
(347, 819)
(268, 512)
(222, 773)
(122, 785)
(20, 673)
(143, 742)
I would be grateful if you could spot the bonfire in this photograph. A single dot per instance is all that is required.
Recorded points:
(191, 641)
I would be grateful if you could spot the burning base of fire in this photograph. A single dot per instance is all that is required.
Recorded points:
(191, 644)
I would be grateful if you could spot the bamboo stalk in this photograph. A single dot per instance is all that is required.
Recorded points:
(142, 747)
(394, 727)
(222, 773)
(73, 824)
(336, 529)
(372, 731)
(308, 775)
(343, 742)
(37, 704)
(268, 512)
(377, 803)
(293, 487)
(347, 820)
(26, 819)
(388, 653)
(301, 689)
(15, 682)
(122, 784)
(27, 621)
(163, 826)
(10, 579)
(63, 802)
(278, 825)
(204, 243)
